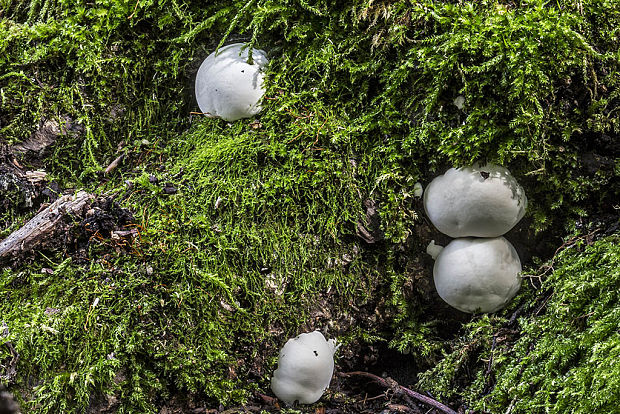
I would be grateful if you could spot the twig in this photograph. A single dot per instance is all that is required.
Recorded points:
(134, 10)
(296, 136)
(515, 315)
(376, 397)
(390, 383)
(543, 304)
(114, 164)
(319, 131)
(490, 364)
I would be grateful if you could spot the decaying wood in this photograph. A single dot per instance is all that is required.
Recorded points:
(19, 189)
(35, 176)
(47, 134)
(44, 225)
(41, 139)
(369, 229)
(26, 185)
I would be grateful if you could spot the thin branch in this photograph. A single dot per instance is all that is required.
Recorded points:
(134, 10)
(390, 383)
(114, 164)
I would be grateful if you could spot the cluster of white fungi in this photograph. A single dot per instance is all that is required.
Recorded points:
(478, 271)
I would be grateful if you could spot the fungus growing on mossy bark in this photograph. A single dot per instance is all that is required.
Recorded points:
(477, 274)
(229, 87)
(475, 201)
(305, 368)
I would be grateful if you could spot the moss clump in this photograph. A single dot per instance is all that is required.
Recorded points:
(561, 357)
(539, 83)
(219, 264)
(260, 230)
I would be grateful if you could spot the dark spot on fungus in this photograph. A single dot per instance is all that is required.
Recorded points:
(243, 71)
(315, 353)
(484, 174)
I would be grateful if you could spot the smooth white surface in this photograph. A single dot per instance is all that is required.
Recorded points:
(227, 86)
(475, 201)
(305, 368)
(477, 274)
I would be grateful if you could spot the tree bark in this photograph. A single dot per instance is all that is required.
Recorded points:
(44, 225)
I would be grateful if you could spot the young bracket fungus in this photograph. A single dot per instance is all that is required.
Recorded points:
(227, 86)
(305, 368)
(475, 201)
(477, 274)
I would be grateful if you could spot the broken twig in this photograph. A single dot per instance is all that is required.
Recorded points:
(114, 164)
(390, 383)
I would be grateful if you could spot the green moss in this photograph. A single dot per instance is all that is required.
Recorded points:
(539, 81)
(359, 106)
(561, 357)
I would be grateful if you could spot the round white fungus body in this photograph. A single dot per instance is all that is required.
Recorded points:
(227, 86)
(475, 201)
(305, 368)
(477, 274)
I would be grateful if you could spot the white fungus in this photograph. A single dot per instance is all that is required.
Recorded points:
(305, 368)
(459, 101)
(477, 274)
(418, 190)
(475, 201)
(227, 86)
(433, 249)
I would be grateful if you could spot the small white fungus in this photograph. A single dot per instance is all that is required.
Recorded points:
(418, 190)
(459, 101)
(477, 274)
(475, 201)
(227, 86)
(433, 249)
(305, 368)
